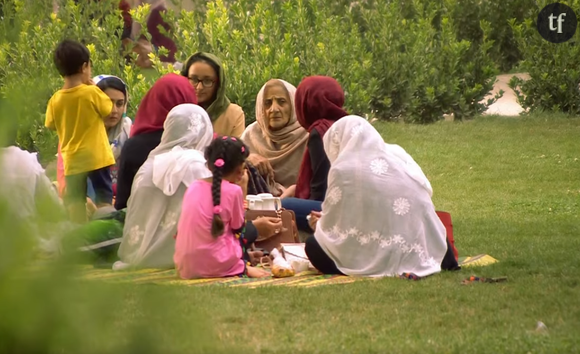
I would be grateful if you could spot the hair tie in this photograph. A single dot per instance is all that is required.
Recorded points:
(243, 149)
(219, 163)
(224, 137)
(233, 138)
(217, 209)
(215, 135)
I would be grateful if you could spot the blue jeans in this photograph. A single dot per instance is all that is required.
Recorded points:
(97, 182)
(91, 191)
(302, 208)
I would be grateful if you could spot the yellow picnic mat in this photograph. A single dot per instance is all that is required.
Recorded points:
(304, 279)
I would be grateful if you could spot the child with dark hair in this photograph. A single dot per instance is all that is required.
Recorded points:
(210, 233)
(117, 125)
(76, 112)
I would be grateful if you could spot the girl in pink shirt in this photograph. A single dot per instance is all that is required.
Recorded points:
(209, 241)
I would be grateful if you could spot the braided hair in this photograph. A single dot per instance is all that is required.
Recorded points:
(223, 156)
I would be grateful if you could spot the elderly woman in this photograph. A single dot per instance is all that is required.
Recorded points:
(377, 218)
(118, 126)
(168, 92)
(276, 139)
(319, 104)
(206, 74)
(157, 193)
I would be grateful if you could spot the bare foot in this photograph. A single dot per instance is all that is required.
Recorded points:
(254, 272)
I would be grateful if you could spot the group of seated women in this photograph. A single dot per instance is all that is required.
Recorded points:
(187, 162)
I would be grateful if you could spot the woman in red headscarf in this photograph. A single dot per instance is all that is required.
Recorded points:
(169, 91)
(319, 103)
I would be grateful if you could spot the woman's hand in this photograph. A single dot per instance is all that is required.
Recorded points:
(268, 226)
(254, 272)
(289, 193)
(262, 165)
(314, 217)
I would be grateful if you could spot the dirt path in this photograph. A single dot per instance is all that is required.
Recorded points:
(507, 105)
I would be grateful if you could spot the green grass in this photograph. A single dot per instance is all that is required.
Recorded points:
(512, 186)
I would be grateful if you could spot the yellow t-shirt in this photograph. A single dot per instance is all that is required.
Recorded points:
(77, 116)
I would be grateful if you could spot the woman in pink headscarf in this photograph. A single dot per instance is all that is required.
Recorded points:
(169, 91)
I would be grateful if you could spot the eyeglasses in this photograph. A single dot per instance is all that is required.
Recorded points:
(205, 82)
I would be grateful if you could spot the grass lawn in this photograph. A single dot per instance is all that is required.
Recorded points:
(512, 186)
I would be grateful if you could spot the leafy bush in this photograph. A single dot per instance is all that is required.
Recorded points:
(395, 60)
(504, 51)
(362, 49)
(554, 69)
(28, 77)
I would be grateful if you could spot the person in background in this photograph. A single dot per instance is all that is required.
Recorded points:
(125, 8)
(159, 39)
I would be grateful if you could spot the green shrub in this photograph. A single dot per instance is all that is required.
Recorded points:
(395, 60)
(554, 69)
(361, 48)
(28, 77)
(504, 51)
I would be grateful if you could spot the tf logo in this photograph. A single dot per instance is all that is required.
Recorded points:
(557, 23)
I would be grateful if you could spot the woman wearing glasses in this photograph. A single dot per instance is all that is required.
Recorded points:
(205, 72)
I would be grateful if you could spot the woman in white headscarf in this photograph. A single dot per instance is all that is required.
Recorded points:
(276, 139)
(157, 192)
(377, 218)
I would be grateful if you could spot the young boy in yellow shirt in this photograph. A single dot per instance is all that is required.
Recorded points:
(76, 112)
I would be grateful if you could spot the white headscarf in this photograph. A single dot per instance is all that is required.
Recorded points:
(159, 186)
(186, 132)
(32, 198)
(377, 217)
(119, 134)
(23, 180)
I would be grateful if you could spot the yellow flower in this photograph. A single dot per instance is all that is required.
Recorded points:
(140, 77)
(53, 16)
(296, 60)
(320, 45)
(91, 48)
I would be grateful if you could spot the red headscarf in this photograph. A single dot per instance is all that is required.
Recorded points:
(169, 91)
(319, 101)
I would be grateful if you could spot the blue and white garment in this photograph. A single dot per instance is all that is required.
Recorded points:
(120, 133)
